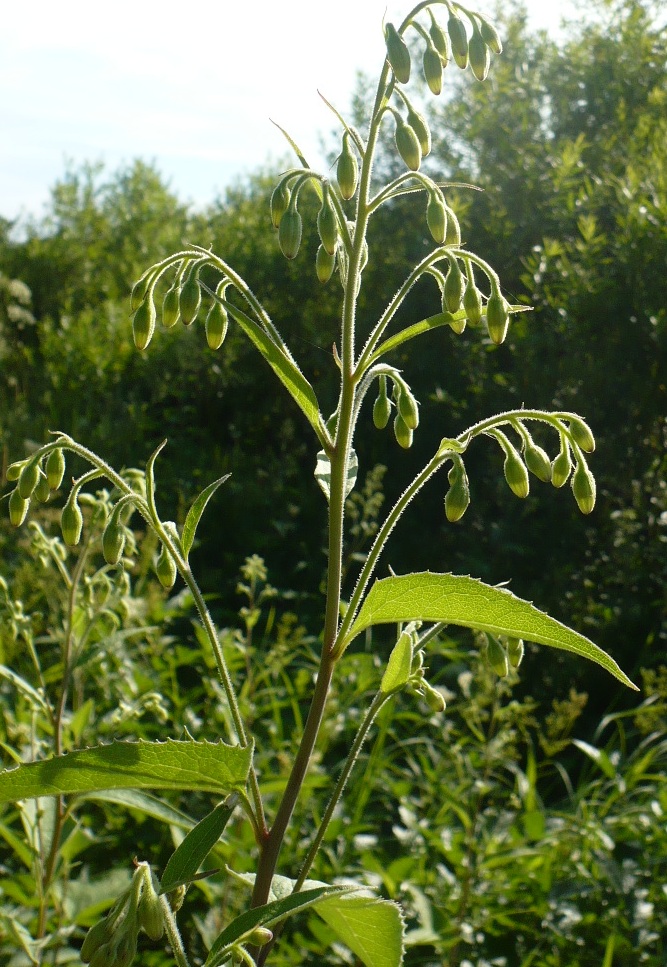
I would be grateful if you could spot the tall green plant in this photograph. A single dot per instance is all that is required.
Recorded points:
(468, 293)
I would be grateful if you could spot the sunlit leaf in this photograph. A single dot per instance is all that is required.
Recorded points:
(188, 857)
(195, 513)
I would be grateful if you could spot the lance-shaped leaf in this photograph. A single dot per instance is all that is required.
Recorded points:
(188, 857)
(195, 513)
(282, 364)
(202, 766)
(265, 916)
(459, 600)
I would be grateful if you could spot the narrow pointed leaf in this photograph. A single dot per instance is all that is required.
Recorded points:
(267, 915)
(195, 513)
(465, 601)
(323, 473)
(598, 756)
(150, 476)
(188, 857)
(145, 803)
(202, 766)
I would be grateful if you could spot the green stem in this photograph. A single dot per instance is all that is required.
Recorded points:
(173, 933)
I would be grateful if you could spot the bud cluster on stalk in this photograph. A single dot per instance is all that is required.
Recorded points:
(501, 653)
(406, 419)
(460, 295)
(405, 669)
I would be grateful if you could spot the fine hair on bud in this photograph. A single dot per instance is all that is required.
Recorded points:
(398, 54)
(280, 200)
(436, 216)
(432, 69)
(407, 144)
(402, 432)
(440, 40)
(289, 231)
(497, 318)
(453, 292)
(347, 169)
(561, 468)
(478, 52)
(459, 39)
(418, 124)
(583, 487)
(189, 301)
(143, 324)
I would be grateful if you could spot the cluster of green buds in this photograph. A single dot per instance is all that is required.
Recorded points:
(460, 295)
(405, 669)
(406, 419)
(112, 942)
(502, 653)
(36, 478)
(439, 47)
(570, 463)
(181, 302)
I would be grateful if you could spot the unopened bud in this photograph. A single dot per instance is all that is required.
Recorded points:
(432, 69)
(453, 236)
(408, 408)
(583, 488)
(55, 468)
(515, 471)
(28, 478)
(433, 698)
(14, 470)
(381, 411)
(143, 324)
(436, 217)
(407, 144)
(402, 432)
(480, 58)
(149, 914)
(472, 303)
(190, 299)
(139, 290)
(113, 540)
(289, 232)
(515, 651)
(347, 170)
(398, 54)
(453, 287)
(561, 467)
(581, 434)
(490, 36)
(98, 935)
(171, 307)
(537, 461)
(327, 225)
(216, 324)
(459, 38)
(165, 568)
(457, 498)
(18, 507)
(440, 40)
(280, 200)
(496, 656)
(42, 491)
(71, 522)
(497, 318)
(418, 124)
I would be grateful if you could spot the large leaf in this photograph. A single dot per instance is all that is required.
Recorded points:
(281, 363)
(465, 601)
(371, 928)
(188, 857)
(195, 512)
(202, 766)
(268, 915)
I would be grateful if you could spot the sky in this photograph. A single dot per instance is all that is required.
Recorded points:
(191, 88)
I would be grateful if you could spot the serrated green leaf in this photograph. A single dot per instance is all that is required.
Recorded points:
(465, 601)
(282, 364)
(203, 766)
(195, 513)
(266, 915)
(188, 857)
(373, 929)
(323, 473)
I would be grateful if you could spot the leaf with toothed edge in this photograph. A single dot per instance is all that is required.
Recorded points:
(460, 600)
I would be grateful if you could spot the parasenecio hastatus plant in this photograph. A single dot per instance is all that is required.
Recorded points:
(469, 293)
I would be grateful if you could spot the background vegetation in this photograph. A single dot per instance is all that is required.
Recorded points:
(518, 844)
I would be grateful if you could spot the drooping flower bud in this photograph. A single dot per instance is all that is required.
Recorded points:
(402, 432)
(496, 656)
(18, 507)
(171, 306)
(55, 468)
(561, 468)
(436, 216)
(515, 651)
(459, 38)
(382, 406)
(497, 318)
(28, 478)
(165, 568)
(537, 461)
(583, 487)
(143, 324)
(216, 324)
(472, 302)
(71, 521)
(408, 408)
(453, 286)
(42, 491)
(582, 435)
(457, 498)
(190, 298)
(453, 236)
(289, 231)
(398, 54)
(440, 40)
(347, 170)
(14, 470)
(324, 264)
(432, 69)
(433, 698)
(490, 35)
(418, 124)
(327, 225)
(515, 471)
(280, 200)
(139, 290)
(407, 144)
(149, 913)
(260, 936)
(480, 59)
(113, 539)
(98, 936)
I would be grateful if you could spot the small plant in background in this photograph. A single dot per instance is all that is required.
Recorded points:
(467, 293)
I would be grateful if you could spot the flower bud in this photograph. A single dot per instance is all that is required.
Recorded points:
(18, 507)
(497, 318)
(98, 935)
(190, 299)
(260, 936)
(171, 311)
(480, 58)
(55, 468)
(418, 124)
(42, 491)
(582, 435)
(324, 264)
(28, 478)
(583, 488)
(515, 471)
(280, 200)
(561, 466)
(490, 36)
(382, 406)
(432, 69)
(139, 290)
(440, 41)
(537, 461)
(289, 232)
(472, 303)
(496, 656)
(436, 216)
(166, 568)
(453, 287)
(459, 38)
(216, 324)
(113, 540)
(402, 432)
(408, 408)
(433, 698)
(71, 521)
(453, 236)
(104, 956)
(143, 324)
(398, 54)
(457, 498)
(515, 651)
(149, 913)
(176, 897)
(327, 225)
(14, 470)
(125, 946)
(456, 325)
(347, 170)
(407, 144)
